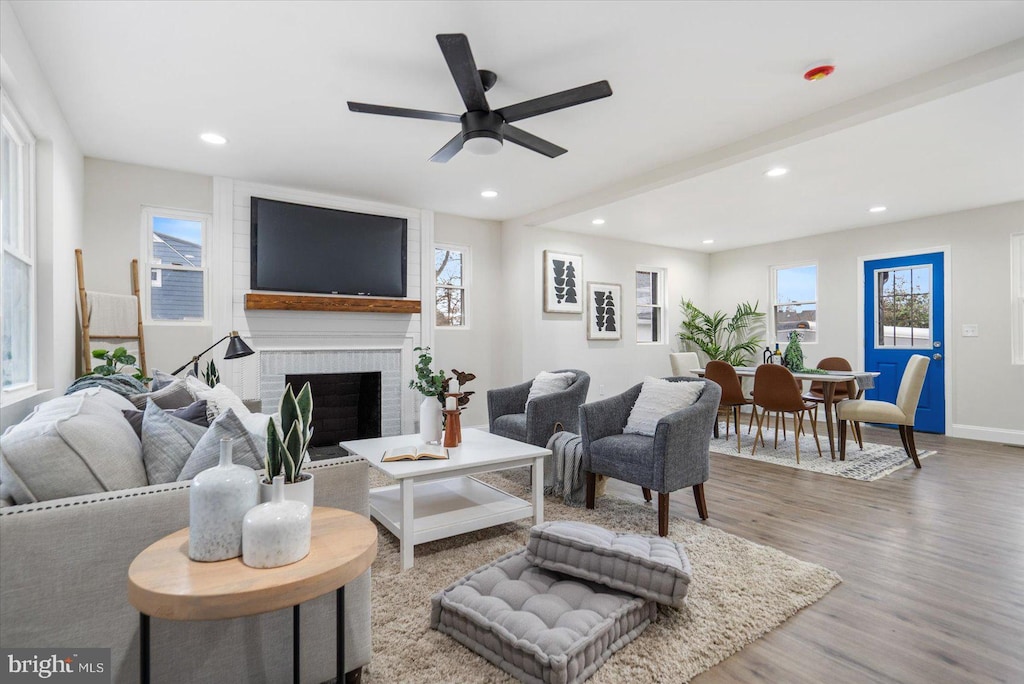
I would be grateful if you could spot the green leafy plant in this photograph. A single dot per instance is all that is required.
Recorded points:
(117, 362)
(793, 358)
(285, 455)
(427, 382)
(211, 376)
(721, 337)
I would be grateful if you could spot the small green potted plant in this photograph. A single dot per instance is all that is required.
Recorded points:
(117, 362)
(432, 386)
(287, 447)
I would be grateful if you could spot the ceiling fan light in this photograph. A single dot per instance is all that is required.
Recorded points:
(483, 145)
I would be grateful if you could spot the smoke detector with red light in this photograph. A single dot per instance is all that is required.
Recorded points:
(816, 73)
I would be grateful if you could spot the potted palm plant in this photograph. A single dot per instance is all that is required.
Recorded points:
(721, 337)
(287, 447)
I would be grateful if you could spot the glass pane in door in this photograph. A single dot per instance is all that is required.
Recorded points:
(903, 307)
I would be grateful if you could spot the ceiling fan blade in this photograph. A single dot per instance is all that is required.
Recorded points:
(450, 149)
(364, 108)
(531, 142)
(549, 103)
(455, 47)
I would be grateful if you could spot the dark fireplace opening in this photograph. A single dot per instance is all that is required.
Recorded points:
(346, 406)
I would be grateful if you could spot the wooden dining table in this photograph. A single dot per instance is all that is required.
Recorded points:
(828, 387)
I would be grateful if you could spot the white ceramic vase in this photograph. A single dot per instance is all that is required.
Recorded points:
(430, 420)
(276, 533)
(301, 491)
(218, 501)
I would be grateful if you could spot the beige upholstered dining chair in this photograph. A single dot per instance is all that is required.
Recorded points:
(902, 413)
(684, 363)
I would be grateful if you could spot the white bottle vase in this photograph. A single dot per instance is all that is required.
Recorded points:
(276, 533)
(218, 501)
(430, 420)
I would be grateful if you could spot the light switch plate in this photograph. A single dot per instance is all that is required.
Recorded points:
(970, 330)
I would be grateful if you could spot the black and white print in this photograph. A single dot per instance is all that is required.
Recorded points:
(563, 278)
(604, 301)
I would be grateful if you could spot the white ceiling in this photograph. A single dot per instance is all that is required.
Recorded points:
(139, 81)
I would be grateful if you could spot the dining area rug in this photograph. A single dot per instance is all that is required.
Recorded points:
(873, 462)
(740, 591)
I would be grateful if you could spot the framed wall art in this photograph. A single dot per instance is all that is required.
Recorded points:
(563, 279)
(604, 311)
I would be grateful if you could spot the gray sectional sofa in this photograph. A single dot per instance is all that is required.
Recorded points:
(63, 583)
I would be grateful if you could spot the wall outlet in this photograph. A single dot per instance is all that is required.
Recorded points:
(600, 390)
(970, 330)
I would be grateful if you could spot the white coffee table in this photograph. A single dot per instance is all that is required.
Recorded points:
(437, 499)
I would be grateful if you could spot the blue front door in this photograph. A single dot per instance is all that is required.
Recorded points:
(903, 316)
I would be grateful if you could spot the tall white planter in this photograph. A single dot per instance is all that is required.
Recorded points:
(430, 420)
(218, 501)
(276, 533)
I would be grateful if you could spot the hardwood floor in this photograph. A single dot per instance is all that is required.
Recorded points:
(932, 562)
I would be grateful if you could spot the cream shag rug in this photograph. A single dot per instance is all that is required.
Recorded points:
(875, 461)
(740, 591)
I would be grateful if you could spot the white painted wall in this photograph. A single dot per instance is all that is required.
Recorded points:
(530, 340)
(474, 349)
(114, 196)
(987, 390)
(59, 189)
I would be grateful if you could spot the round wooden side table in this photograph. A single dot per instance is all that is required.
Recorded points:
(163, 582)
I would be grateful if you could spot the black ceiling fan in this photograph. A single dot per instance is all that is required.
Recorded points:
(484, 129)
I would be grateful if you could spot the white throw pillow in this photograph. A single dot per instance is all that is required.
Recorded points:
(658, 398)
(218, 399)
(549, 383)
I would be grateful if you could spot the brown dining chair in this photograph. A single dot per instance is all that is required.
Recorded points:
(776, 390)
(846, 390)
(732, 395)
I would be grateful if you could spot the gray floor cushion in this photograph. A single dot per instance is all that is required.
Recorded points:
(655, 568)
(537, 625)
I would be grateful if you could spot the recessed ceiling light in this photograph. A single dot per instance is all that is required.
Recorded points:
(877, 210)
(213, 138)
(598, 222)
(707, 242)
(776, 172)
(489, 193)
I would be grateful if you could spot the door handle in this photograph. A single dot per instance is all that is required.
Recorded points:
(937, 357)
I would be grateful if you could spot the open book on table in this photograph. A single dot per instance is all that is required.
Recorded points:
(415, 453)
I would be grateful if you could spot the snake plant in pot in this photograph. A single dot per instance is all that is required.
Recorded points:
(286, 447)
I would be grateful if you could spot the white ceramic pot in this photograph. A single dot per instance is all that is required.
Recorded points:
(276, 533)
(219, 498)
(430, 420)
(301, 491)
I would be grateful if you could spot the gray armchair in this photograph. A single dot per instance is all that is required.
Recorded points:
(508, 414)
(676, 457)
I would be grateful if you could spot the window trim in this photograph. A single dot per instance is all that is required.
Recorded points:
(148, 262)
(662, 329)
(467, 282)
(1017, 299)
(773, 294)
(22, 135)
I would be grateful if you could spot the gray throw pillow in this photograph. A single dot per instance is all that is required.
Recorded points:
(193, 413)
(207, 452)
(161, 380)
(655, 568)
(167, 443)
(174, 395)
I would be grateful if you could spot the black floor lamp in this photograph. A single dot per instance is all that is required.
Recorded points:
(236, 350)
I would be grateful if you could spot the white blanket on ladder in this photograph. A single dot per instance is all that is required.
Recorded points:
(112, 315)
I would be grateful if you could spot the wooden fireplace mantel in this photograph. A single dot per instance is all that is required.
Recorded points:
(295, 302)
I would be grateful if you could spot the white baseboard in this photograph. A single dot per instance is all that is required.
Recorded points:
(986, 434)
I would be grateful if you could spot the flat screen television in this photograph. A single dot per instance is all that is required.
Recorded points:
(298, 248)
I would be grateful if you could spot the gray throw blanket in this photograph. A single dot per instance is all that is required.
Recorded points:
(125, 385)
(563, 470)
